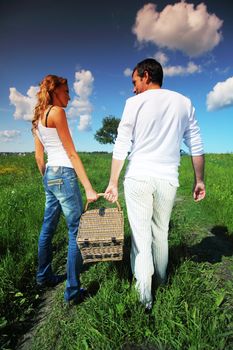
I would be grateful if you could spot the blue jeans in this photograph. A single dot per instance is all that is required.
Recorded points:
(62, 194)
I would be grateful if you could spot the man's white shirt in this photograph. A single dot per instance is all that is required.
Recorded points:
(152, 128)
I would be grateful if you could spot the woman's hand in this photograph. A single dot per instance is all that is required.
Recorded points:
(91, 195)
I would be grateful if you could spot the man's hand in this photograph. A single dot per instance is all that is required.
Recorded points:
(111, 193)
(199, 191)
(199, 186)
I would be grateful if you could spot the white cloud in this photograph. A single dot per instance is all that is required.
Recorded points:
(179, 27)
(161, 57)
(83, 83)
(178, 70)
(24, 105)
(85, 123)
(9, 135)
(128, 72)
(81, 107)
(221, 96)
(78, 107)
(191, 68)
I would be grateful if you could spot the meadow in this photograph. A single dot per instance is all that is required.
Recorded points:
(194, 311)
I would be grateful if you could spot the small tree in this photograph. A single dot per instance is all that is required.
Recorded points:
(108, 132)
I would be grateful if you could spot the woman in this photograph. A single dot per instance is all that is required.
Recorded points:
(51, 134)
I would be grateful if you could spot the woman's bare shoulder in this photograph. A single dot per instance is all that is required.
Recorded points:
(58, 117)
(57, 112)
(57, 109)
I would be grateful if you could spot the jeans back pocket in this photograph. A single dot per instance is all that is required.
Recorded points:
(55, 182)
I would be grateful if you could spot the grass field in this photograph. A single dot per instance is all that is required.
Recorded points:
(193, 311)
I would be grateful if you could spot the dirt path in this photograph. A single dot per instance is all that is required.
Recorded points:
(25, 342)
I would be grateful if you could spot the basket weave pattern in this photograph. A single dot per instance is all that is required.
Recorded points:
(101, 235)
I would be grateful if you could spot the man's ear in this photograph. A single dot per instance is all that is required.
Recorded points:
(146, 75)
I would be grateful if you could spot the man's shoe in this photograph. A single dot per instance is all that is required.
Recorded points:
(53, 282)
(148, 308)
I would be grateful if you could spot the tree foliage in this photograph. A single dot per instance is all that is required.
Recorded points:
(108, 132)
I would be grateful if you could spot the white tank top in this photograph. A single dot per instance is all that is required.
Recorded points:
(53, 146)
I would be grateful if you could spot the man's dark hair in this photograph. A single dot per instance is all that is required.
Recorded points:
(154, 69)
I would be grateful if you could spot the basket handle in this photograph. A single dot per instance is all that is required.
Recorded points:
(101, 195)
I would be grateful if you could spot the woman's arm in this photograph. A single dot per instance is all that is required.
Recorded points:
(39, 155)
(60, 122)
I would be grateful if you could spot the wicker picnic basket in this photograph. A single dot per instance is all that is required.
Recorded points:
(101, 234)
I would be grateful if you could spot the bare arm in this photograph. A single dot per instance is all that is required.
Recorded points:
(198, 163)
(61, 125)
(111, 192)
(39, 155)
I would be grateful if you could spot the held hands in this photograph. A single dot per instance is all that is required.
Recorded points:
(111, 193)
(199, 191)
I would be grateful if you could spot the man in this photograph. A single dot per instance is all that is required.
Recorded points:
(153, 125)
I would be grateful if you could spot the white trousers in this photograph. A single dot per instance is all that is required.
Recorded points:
(149, 204)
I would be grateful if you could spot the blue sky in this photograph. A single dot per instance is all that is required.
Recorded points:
(95, 44)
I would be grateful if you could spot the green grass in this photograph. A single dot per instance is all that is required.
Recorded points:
(219, 187)
(193, 311)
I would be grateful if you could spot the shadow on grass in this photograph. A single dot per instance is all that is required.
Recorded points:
(93, 288)
(177, 254)
(212, 248)
(218, 244)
